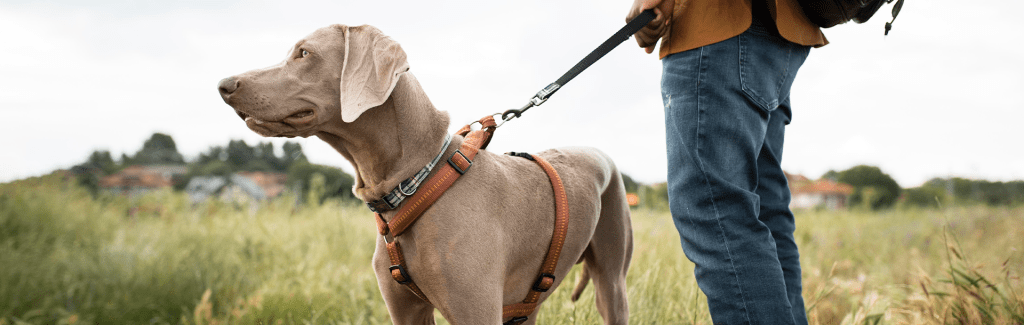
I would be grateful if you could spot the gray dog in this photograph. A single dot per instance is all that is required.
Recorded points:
(480, 246)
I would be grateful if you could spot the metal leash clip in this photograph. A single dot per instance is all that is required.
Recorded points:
(537, 100)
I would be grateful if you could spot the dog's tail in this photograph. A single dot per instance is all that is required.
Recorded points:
(582, 284)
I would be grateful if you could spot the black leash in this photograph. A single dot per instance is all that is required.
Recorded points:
(621, 36)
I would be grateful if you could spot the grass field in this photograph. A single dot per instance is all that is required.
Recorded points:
(66, 258)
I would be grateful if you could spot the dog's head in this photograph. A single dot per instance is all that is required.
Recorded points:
(337, 71)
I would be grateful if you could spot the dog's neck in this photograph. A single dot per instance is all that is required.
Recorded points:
(389, 143)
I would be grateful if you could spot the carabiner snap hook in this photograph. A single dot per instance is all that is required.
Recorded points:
(537, 100)
(513, 113)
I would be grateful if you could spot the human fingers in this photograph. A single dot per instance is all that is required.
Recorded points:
(647, 37)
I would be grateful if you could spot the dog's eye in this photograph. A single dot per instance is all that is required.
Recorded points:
(304, 54)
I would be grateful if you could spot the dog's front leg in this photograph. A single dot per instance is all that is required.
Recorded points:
(463, 293)
(403, 305)
(469, 284)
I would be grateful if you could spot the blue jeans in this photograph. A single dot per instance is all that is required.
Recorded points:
(726, 109)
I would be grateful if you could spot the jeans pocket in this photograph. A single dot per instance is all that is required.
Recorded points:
(768, 65)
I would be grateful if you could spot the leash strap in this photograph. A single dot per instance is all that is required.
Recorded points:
(622, 35)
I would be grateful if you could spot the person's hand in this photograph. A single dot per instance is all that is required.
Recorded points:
(648, 36)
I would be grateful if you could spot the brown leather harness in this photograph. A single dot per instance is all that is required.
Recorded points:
(458, 164)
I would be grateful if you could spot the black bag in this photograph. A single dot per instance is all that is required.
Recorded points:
(828, 13)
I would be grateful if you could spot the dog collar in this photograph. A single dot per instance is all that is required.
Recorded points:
(409, 186)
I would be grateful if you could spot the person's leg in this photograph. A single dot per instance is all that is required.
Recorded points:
(718, 100)
(774, 193)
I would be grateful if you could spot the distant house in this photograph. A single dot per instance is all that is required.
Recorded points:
(820, 193)
(271, 183)
(244, 187)
(201, 187)
(137, 180)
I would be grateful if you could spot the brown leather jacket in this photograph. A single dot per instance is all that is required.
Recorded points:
(696, 23)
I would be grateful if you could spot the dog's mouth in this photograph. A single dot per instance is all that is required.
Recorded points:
(301, 117)
(289, 126)
(301, 114)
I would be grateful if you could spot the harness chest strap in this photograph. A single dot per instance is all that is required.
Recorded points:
(458, 163)
(546, 278)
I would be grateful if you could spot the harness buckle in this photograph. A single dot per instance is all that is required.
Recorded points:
(401, 270)
(538, 285)
(515, 320)
(456, 166)
(379, 206)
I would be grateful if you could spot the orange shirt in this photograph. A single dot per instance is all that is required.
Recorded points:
(696, 23)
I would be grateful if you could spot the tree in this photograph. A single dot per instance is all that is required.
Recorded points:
(630, 184)
(924, 197)
(215, 168)
(158, 149)
(102, 161)
(292, 154)
(215, 153)
(90, 182)
(654, 196)
(317, 184)
(831, 175)
(265, 157)
(336, 183)
(239, 153)
(884, 191)
(981, 191)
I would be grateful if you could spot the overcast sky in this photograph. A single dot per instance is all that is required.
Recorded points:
(940, 96)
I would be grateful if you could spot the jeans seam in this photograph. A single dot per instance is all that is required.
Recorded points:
(710, 191)
(785, 72)
(750, 92)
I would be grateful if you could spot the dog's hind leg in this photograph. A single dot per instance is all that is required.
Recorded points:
(608, 255)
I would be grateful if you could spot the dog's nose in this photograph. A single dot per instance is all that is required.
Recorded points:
(227, 86)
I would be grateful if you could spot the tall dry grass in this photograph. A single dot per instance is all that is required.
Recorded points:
(66, 258)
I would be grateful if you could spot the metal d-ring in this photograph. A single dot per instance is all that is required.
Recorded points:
(402, 190)
(500, 118)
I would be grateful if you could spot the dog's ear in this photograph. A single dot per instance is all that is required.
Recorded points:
(371, 68)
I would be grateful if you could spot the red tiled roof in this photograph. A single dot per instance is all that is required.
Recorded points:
(136, 176)
(272, 183)
(795, 178)
(823, 187)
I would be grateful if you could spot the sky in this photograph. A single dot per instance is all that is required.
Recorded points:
(939, 97)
